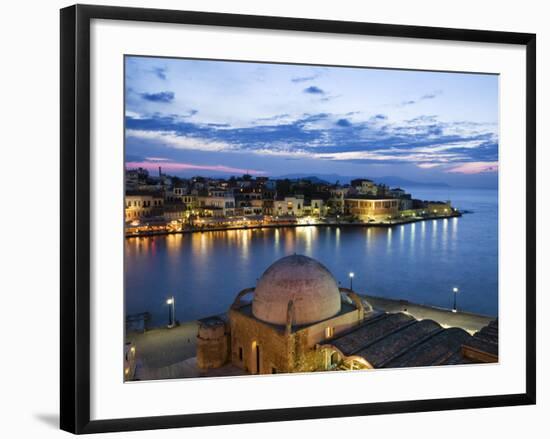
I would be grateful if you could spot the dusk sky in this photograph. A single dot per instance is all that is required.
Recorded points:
(220, 118)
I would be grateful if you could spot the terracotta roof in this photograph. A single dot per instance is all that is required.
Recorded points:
(399, 340)
(390, 347)
(372, 329)
(432, 351)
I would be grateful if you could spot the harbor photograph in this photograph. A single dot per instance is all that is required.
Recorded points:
(292, 218)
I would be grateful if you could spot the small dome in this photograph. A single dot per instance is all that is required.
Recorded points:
(308, 283)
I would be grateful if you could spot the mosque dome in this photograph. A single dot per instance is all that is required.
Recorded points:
(308, 283)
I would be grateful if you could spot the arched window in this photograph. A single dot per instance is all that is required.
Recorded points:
(334, 359)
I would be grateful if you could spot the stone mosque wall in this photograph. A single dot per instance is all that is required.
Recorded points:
(248, 336)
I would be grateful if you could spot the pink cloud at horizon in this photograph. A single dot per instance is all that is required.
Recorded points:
(156, 159)
(475, 168)
(178, 166)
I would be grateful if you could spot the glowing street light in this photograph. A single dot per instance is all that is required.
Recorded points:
(351, 276)
(455, 291)
(171, 302)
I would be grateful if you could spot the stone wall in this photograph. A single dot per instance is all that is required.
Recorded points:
(306, 358)
(212, 345)
(280, 352)
(340, 323)
(248, 334)
(372, 209)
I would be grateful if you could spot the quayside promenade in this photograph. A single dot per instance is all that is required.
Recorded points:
(168, 353)
(152, 228)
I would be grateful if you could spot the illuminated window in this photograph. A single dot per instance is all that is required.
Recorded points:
(329, 332)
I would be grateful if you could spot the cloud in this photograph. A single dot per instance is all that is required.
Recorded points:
(422, 119)
(343, 123)
(428, 165)
(422, 98)
(132, 114)
(475, 168)
(160, 72)
(329, 98)
(314, 90)
(276, 118)
(423, 141)
(305, 78)
(162, 96)
(156, 159)
(172, 140)
(190, 113)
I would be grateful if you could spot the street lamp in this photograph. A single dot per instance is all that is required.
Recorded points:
(455, 291)
(171, 302)
(351, 276)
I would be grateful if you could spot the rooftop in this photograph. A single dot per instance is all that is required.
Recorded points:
(399, 340)
(301, 281)
(144, 192)
(368, 197)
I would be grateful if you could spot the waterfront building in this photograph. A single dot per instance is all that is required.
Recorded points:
(174, 211)
(289, 206)
(405, 203)
(314, 207)
(335, 203)
(318, 207)
(217, 193)
(438, 207)
(371, 208)
(299, 320)
(256, 207)
(179, 191)
(217, 203)
(364, 186)
(267, 206)
(136, 178)
(293, 200)
(142, 204)
(191, 201)
(397, 192)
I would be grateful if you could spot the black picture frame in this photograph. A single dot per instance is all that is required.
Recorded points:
(75, 217)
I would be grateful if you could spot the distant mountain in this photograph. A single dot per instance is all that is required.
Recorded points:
(388, 180)
(321, 179)
(398, 181)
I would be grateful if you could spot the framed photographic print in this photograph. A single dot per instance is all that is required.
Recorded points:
(278, 210)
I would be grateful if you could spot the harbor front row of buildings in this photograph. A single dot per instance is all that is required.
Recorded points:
(203, 200)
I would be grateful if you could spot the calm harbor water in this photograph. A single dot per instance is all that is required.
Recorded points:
(420, 262)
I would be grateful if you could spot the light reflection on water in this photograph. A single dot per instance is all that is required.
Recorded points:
(420, 262)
